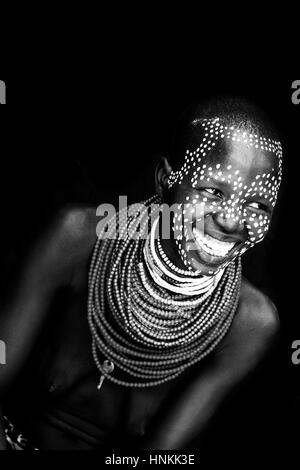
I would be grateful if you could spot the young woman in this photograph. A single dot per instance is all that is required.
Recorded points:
(135, 331)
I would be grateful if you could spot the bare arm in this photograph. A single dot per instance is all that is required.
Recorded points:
(246, 344)
(48, 268)
(2, 435)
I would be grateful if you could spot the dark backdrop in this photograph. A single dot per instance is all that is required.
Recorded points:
(90, 137)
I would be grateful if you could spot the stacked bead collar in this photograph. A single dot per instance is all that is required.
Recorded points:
(150, 333)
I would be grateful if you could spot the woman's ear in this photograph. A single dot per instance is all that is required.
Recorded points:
(162, 172)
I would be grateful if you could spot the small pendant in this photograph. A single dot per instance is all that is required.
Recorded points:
(108, 367)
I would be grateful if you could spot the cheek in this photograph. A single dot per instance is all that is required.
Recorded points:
(257, 227)
(198, 205)
(191, 212)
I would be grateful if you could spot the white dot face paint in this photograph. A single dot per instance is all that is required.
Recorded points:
(227, 187)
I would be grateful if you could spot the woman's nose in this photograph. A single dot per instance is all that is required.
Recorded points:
(229, 223)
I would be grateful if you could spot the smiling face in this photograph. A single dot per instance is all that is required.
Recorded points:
(226, 191)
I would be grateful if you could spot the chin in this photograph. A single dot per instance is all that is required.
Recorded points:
(206, 267)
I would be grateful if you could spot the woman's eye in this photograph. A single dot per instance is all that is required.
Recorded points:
(258, 206)
(213, 191)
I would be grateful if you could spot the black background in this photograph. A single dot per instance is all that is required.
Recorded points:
(89, 135)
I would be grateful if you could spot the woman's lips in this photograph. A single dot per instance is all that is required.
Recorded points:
(213, 251)
(212, 245)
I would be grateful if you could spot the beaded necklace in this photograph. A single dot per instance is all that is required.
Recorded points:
(140, 323)
(163, 274)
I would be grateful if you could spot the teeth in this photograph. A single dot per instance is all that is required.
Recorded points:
(213, 246)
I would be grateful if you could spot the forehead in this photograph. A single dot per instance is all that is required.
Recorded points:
(229, 149)
(233, 157)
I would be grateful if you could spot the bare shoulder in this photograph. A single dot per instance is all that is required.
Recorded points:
(66, 242)
(76, 226)
(256, 311)
(253, 333)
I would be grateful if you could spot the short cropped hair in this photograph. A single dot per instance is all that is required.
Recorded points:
(231, 110)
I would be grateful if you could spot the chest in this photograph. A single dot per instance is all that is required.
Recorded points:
(68, 377)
